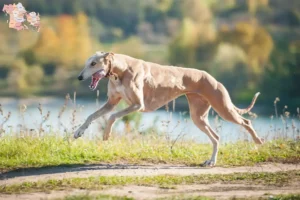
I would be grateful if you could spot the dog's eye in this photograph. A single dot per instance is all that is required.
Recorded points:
(93, 64)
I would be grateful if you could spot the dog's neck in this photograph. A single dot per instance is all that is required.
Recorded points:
(114, 70)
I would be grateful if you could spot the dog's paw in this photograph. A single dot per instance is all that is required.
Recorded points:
(208, 163)
(78, 133)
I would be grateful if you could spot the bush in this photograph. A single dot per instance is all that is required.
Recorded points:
(34, 75)
(17, 76)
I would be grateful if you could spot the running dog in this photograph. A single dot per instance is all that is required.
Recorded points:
(147, 86)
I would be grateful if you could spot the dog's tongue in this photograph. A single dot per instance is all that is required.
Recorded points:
(96, 78)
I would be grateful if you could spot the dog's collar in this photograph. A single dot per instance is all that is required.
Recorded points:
(109, 73)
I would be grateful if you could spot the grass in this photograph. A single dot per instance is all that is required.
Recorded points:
(285, 197)
(270, 197)
(185, 197)
(98, 183)
(91, 197)
(106, 197)
(182, 197)
(23, 152)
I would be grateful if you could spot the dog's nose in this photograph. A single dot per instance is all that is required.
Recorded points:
(80, 77)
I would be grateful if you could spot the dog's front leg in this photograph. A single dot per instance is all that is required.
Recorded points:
(107, 107)
(120, 114)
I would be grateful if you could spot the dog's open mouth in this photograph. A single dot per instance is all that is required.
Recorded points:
(96, 77)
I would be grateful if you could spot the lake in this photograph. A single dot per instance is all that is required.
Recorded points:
(177, 124)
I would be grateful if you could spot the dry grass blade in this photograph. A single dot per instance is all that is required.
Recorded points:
(44, 119)
(40, 109)
(6, 118)
(62, 110)
(275, 106)
(1, 111)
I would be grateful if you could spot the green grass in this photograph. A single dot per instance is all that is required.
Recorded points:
(98, 183)
(182, 197)
(186, 197)
(17, 152)
(98, 197)
(106, 197)
(286, 197)
(274, 197)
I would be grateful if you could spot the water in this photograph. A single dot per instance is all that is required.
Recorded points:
(172, 124)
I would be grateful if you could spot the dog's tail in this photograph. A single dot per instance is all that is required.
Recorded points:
(246, 110)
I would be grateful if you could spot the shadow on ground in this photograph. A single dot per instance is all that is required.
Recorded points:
(34, 171)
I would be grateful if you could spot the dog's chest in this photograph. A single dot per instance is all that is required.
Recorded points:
(118, 85)
(120, 88)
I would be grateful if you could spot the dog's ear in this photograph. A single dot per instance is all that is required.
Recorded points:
(108, 56)
(100, 53)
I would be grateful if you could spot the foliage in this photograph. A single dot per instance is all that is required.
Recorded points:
(255, 41)
(17, 76)
(122, 47)
(34, 75)
(67, 43)
(283, 72)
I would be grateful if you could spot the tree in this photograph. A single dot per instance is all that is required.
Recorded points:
(17, 76)
(254, 4)
(68, 44)
(34, 75)
(254, 40)
(198, 11)
(46, 48)
(184, 44)
(133, 46)
(66, 31)
(83, 39)
(195, 42)
(283, 73)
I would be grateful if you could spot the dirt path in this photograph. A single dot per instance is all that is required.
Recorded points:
(218, 190)
(37, 174)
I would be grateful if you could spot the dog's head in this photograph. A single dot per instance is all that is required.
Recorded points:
(97, 67)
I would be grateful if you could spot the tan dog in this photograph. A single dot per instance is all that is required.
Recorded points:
(146, 86)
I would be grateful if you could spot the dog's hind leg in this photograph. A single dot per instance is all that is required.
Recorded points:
(246, 123)
(222, 104)
(199, 108)
(248, 126)
(234, 117)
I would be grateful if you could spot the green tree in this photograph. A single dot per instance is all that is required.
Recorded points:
(46, 48)
(126, 47)
(17, 76)
(196, 40)
(254, 40)
(83, 45)
(34, 75)
(283, 73)
(66, 31)
(184, 44)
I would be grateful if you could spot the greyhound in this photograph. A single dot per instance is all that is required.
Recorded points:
(147, 86)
